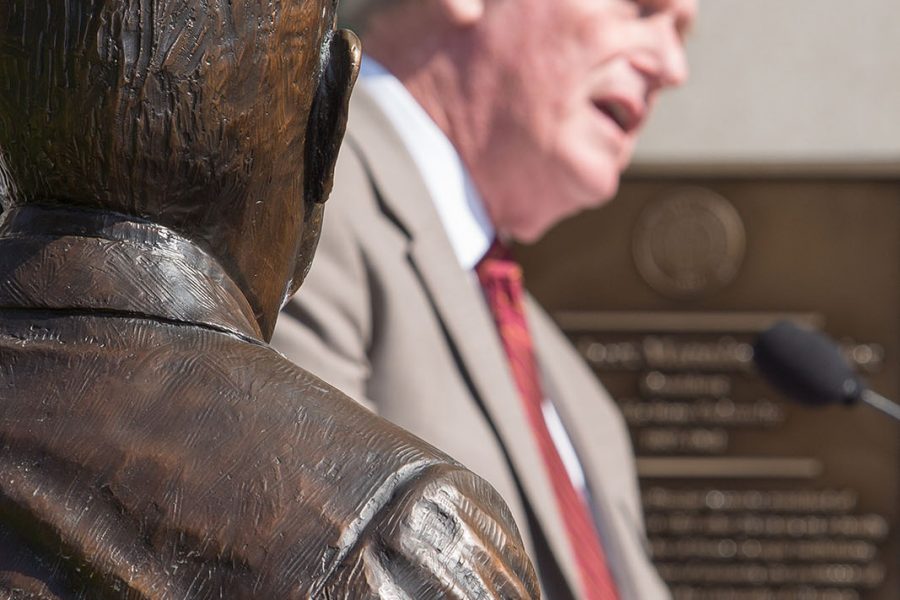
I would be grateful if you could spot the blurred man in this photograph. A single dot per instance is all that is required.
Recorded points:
(152, 444)
(479, 122)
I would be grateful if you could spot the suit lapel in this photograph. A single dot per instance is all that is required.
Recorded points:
(591, 420)
(458, 302)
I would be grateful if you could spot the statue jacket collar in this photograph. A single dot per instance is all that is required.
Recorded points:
(82, 261)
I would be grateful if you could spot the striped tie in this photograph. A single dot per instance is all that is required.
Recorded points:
(501, 280)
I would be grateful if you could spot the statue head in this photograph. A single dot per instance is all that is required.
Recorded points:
(219, 119)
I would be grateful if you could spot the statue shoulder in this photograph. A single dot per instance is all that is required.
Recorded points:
(445, 533)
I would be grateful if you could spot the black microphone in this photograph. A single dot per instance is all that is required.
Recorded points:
(809, 367)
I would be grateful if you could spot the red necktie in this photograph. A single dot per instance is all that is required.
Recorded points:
(501, 280)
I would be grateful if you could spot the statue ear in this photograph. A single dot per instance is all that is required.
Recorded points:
(328, 115)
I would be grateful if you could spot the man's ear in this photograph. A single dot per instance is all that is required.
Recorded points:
(462, 13)
(328, 114)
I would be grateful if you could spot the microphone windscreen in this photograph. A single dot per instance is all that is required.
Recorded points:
(806, 365)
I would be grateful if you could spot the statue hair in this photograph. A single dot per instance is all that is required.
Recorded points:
(101, 97)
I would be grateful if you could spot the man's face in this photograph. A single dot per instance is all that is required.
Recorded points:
(566, 89)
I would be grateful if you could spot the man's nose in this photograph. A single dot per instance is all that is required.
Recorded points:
(663, 59)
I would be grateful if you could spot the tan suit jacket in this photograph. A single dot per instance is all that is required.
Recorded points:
(389, 316)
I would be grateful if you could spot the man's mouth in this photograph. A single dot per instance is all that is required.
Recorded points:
(626, 114)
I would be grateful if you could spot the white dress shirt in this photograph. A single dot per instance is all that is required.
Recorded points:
(458, 205)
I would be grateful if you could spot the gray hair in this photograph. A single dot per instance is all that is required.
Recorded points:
(355, 14)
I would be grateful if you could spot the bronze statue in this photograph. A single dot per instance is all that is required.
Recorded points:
(163, 165)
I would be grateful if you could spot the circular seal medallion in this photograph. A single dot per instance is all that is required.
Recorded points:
(689, 243)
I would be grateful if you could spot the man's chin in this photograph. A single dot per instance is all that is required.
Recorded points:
(529, 230)
(574, 193)
(602, 190)
(593, 179)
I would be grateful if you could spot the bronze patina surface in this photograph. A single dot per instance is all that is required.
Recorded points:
(163, 169)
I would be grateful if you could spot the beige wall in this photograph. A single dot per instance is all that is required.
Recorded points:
(785, 81)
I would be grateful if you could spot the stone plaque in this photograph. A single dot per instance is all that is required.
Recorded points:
(747, 496)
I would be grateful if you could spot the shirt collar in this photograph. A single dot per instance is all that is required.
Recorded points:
(69, 259)
(458, 204)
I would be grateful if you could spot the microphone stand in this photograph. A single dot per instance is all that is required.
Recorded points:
(878, 401)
